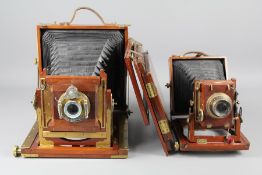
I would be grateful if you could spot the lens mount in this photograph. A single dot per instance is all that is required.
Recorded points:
(219, 105)
(73, 105)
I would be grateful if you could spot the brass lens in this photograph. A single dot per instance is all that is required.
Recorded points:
(219, 105)
(73, 105)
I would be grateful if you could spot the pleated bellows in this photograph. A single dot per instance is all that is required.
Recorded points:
(80, 52)
(85, 53)
(184, 74)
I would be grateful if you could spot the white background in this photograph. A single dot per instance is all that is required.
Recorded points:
(229, 28)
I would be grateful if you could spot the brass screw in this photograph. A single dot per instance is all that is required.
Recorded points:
(35, 61)
(176, 146)
(191, 103)
(16, 151)
(209, 126)
(226, 126)
(129, 112)
(200, 116)
(211, 87)
(42, 86)
(197, 85)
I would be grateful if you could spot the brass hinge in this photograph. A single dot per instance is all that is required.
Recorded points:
(151, 90)
(164, 127)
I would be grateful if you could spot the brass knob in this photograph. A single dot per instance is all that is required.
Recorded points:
(129, 112)
(168, 85)
(16, 151)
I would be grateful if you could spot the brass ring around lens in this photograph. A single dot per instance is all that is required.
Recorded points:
(73, 97)
(212, 102)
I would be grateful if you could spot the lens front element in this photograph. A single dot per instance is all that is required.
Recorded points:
(72, 109)
(219, 105)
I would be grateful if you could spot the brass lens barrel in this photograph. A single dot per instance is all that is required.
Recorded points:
(219, 105)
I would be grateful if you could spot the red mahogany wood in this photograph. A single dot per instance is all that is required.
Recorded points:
(154, 104)
(212, 143)
(186, 145)
(76, 151)
(221, 86)
(130, 69)
(56, 85)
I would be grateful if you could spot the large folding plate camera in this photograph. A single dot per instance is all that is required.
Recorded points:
(81, 97)
(82, 94)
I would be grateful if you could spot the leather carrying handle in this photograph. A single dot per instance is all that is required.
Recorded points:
(197, 53)
(84, 8)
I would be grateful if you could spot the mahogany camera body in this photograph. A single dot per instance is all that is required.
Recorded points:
(79, 115)
(212, 106)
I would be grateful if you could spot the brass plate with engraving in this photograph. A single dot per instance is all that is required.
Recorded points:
(201, 141)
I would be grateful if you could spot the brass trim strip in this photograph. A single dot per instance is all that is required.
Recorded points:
(119, 156)
(31, 136)
(106, 143)
(63, 134)
(29, 155)
(42, 141)
(100, 114)
(199, 114)
(123, 132)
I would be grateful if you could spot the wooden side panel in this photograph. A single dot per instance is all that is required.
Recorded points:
(160, 119)
(131, 72)
(156, 108)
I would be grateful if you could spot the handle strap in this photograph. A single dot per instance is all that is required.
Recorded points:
(84, 8)
(197, 53)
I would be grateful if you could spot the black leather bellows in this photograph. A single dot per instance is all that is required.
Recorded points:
(84, 53)
(184, 74)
